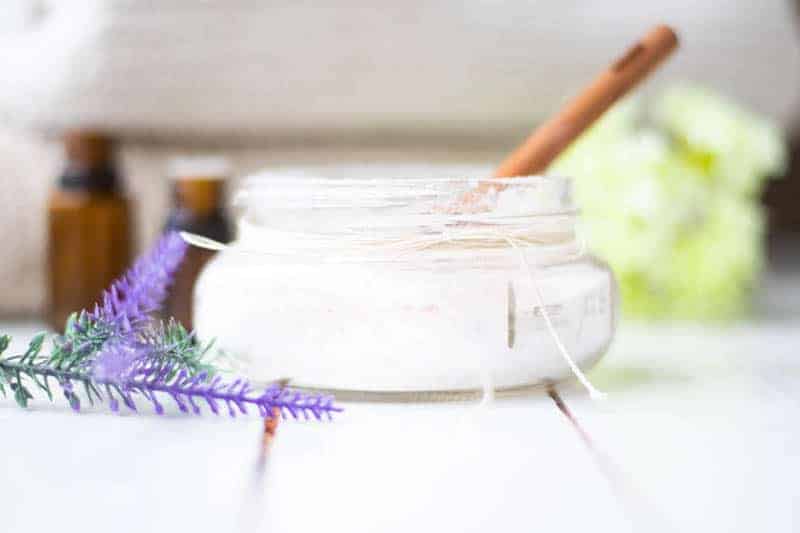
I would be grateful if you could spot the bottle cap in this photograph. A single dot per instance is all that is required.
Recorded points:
(199, 182)
(199, 168)
(89, 148)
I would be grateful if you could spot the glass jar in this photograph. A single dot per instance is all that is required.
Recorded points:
(407, 285)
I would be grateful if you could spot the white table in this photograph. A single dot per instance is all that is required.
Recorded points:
(700, 432)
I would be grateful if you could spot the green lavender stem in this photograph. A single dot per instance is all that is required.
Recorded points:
(13, 368)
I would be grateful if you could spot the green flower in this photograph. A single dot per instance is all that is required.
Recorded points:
(669, 196)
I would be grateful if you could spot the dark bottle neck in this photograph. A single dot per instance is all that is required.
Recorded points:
(213, 225)
(100, 179)
(199, 207)
(90, 162)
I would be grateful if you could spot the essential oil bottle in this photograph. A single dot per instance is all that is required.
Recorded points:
(89, 226)
(198, 206)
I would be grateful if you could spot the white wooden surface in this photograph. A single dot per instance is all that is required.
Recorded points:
(699, 433)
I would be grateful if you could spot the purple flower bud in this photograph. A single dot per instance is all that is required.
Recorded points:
(142, 289)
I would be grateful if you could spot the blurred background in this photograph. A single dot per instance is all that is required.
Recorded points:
(689, 188)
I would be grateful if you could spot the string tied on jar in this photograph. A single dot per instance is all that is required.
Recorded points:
(473, 239)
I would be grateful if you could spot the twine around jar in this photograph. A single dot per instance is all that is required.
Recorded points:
(470, 240)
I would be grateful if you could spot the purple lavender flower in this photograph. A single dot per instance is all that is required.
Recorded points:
(69, 394)
(190, 392)
(235, 396)
(143, 369)
(119, 348)
(117, 360)
(142, 289)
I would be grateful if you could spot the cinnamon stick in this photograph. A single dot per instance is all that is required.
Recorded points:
(552, 137)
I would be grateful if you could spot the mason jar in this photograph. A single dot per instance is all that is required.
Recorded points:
(408, 287)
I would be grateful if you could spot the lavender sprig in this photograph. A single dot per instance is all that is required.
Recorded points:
(126, 305)
(142, 289)
(187, 391)
(149, 379)
(118, 348)
(158, 345)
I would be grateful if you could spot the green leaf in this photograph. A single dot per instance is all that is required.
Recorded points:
(71, 320)
(44, 386)
(5, 340)
(207, 348)
(86, 385)
(21, 395)
(34, 347)
(95, 390)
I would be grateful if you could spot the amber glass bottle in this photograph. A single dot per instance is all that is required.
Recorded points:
(89, 223)
(198, 206)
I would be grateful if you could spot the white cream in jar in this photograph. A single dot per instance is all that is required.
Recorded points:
(386, 285)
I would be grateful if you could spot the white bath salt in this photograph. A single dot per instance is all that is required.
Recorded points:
(383, 293)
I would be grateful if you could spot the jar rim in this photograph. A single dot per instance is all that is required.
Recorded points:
(277, 177)
(336, 187)
(304, 212)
